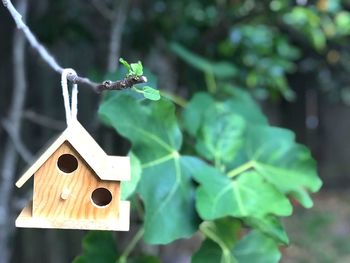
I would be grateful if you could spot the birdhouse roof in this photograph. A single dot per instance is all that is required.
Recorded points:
(109, 168)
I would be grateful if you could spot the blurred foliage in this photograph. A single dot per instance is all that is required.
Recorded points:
(256, 44)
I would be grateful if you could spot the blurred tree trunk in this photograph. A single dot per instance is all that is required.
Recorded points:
(116, 32)
(13, 124)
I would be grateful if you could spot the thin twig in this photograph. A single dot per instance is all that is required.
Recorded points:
(174, 98)
(102, 9)
(22, 150)
(121, 84)
(138, 236)
(44, 121)
(51, 61)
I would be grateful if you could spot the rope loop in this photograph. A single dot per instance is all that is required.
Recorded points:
(71, 108)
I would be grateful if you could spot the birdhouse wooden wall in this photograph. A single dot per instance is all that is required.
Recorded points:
(76, 186)
(66, 187)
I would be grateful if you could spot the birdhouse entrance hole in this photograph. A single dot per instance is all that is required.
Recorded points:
(101, 197)
(67, 163)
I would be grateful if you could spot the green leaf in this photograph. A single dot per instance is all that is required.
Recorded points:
(125, 64)
(220, 140)
(145, 259)
(148, 92)
(221, 236)
(342, 21)
(239, 102)
(270, 226)
(166, 186)
(254, 247)
(248, 195)
(284, 163)
(271, 151)
(219, 69)
(136, 69)
(129, 187)
(318, 38)
(98, 247)
(224, 231)
(193, 114)
(212, 252)
(151, 93)
(307, 21)
(258, 248)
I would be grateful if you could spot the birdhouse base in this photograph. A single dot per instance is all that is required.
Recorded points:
(26, 220)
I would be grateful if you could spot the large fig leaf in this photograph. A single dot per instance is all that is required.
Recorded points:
(165, 186)
(271, 151)
(129, 187)
(98, 247)
(239, 102)
(195, 111)
(244, 196)
(289, 166)
(223, 247)
(270, 226)
(220, 140)
(258, 248)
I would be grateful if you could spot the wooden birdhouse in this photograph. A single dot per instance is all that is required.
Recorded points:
(76, 186)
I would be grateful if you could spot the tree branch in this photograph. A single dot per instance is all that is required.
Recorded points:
(51, 61)
(121, 84)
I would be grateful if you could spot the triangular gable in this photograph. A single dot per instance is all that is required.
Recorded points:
(111, 168)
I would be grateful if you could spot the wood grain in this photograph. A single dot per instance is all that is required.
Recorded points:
(50, 183)
(26, 220)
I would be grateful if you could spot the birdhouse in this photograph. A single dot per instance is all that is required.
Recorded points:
(76, 186)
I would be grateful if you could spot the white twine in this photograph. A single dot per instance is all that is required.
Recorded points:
(30, 36)
(71, 109)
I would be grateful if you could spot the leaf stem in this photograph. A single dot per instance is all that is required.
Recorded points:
(174, 98)
(137, 90)
(138, 205)
(240, 169)
(210, 81)
(217, 161)
(123, 258)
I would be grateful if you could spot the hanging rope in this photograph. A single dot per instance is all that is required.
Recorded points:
(71, 109)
